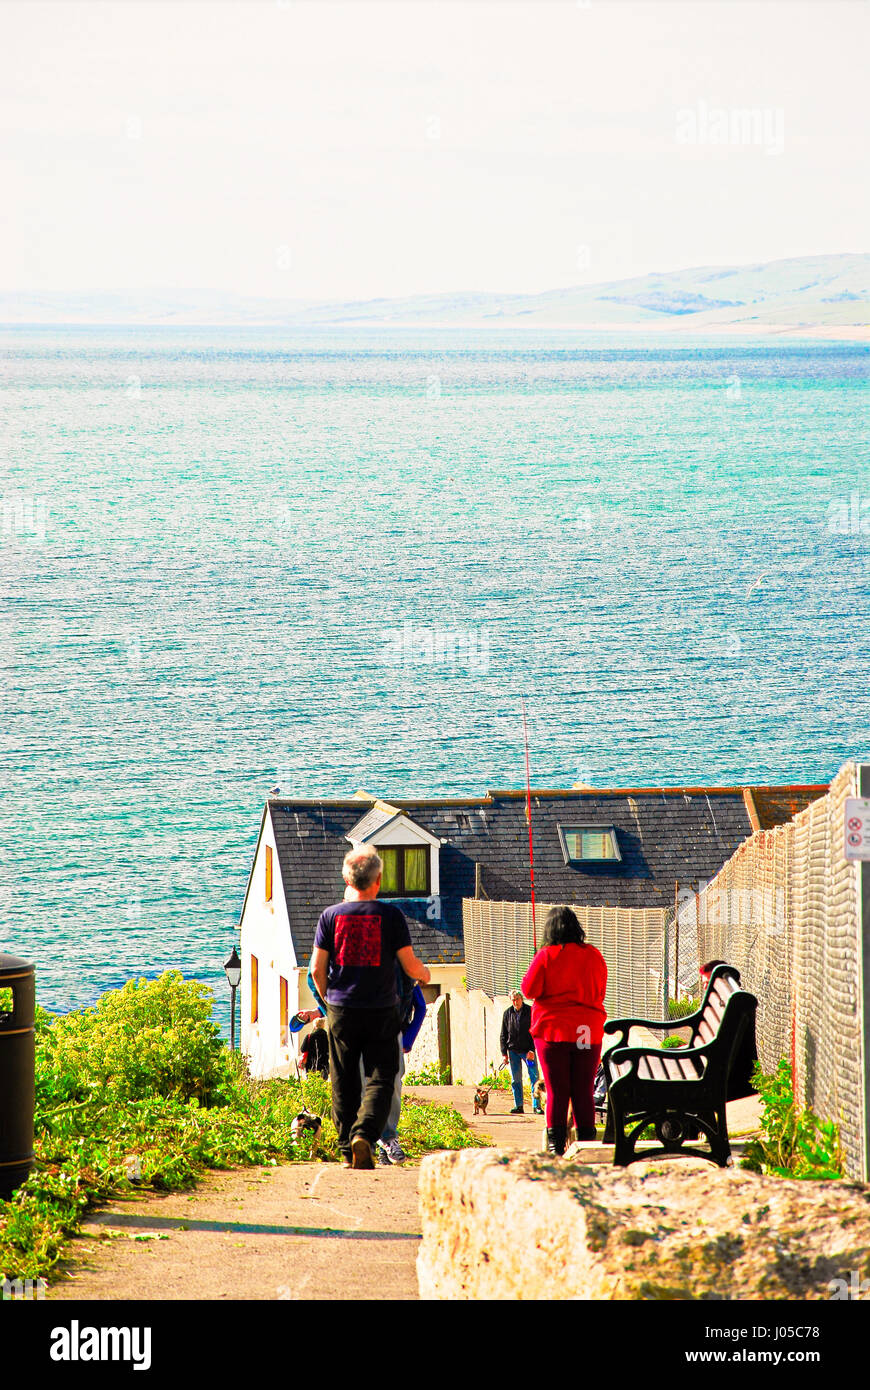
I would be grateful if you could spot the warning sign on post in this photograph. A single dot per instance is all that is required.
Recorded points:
(857, 829)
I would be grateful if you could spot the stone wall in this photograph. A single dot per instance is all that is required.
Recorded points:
(527, 1227)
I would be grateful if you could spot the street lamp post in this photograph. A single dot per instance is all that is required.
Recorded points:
(233, 968)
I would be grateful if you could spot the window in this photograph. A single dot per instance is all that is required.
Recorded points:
(268, 873)
(255, 990)
(283, 1011)
(406, 871)
(589, 844)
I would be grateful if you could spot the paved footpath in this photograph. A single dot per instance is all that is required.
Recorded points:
(299, 1231)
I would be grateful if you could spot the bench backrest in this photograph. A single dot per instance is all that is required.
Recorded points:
(723, 983)
(727, 1014)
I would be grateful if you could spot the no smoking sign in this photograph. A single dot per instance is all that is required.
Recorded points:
(856, 843)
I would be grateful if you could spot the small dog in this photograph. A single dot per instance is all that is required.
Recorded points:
(481, 1100)
(306, 1123)
(540, 1095)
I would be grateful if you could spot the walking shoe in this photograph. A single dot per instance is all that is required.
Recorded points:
(556, 1138)
(517, 1110)
(362, 1153)
(383, 1155)
(394, 1151)
(537, 1110)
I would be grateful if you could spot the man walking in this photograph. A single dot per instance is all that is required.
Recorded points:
(356, 946)
(517, 1046)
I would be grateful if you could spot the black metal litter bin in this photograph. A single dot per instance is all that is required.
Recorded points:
(17, 1071)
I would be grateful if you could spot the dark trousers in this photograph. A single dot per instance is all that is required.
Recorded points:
(569, 1072)
(368, 1035)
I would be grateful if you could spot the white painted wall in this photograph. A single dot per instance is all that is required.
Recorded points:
(265, 933)
(475, 1026)
(425, 1049)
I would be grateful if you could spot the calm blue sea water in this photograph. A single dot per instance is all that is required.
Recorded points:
(232, 559)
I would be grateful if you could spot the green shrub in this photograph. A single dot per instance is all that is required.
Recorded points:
(673, 1041)
(430, 1074)
(792, 1143)
(424, 1126)
(140, 1091)
(681, 1008)
(151, 1038)
(497, 1080)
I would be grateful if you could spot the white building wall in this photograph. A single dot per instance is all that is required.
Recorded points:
(425, 1049)
(265, 933)
(475, 1028)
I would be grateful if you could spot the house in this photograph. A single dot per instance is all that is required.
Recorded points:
(630, 847)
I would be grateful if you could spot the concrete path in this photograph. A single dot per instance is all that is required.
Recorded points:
(299, 1231)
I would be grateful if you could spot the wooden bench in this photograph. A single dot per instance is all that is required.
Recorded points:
(682, 1092)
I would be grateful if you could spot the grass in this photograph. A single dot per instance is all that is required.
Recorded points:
(140, 1092)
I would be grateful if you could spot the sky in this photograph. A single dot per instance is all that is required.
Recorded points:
(318, 150)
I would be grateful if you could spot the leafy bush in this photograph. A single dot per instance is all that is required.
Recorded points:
(428, 1075)
(673, 1041)
(141, 1091)
(792, 1143)
(151, 1038)
(497, 1080)
(424, 1126)
(681, 1008)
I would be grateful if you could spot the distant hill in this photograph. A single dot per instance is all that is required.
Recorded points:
(805, 292)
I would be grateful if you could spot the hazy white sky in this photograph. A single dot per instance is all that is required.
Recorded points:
(316, 149)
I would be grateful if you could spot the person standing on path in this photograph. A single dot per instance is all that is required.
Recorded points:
(566, 980)
(315, 1050)
(412, 1011)
(356, 946)
(517, 1046)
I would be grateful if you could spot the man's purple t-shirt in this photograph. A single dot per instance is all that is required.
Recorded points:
(362, 938)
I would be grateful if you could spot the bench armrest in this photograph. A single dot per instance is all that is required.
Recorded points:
(635, 1054)
(624, 1026)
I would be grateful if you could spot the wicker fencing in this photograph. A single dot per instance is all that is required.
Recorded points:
(499, 946)
(785, 911)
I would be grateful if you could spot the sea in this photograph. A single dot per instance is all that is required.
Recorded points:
(240, 559)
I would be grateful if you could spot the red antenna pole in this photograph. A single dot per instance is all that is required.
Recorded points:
(529, 819)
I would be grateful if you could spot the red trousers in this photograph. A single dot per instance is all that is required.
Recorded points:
(569, 1072)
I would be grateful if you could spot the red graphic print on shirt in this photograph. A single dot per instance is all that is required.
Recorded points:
(358, 940)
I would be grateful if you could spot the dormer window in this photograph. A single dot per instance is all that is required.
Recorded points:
(406, 871)
(409, 851)
(588, 844)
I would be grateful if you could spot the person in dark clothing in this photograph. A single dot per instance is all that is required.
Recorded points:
(517, 1046)
(740, 1076)
(315, 1050)
(353, 965)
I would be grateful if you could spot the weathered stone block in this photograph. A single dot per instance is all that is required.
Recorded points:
(529, 1227)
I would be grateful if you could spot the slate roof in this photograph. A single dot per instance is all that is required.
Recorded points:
(776, 805)
(665, 835)
(373, 820)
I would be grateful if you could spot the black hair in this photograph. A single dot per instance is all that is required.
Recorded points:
(561, 927)
(711, 966)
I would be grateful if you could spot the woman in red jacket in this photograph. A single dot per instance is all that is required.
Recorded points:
(566, 982)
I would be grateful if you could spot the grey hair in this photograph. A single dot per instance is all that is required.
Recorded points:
(361, 867)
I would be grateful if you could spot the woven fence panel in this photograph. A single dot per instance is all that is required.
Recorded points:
(499, 947)
(784, 910)
(828, 1052)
